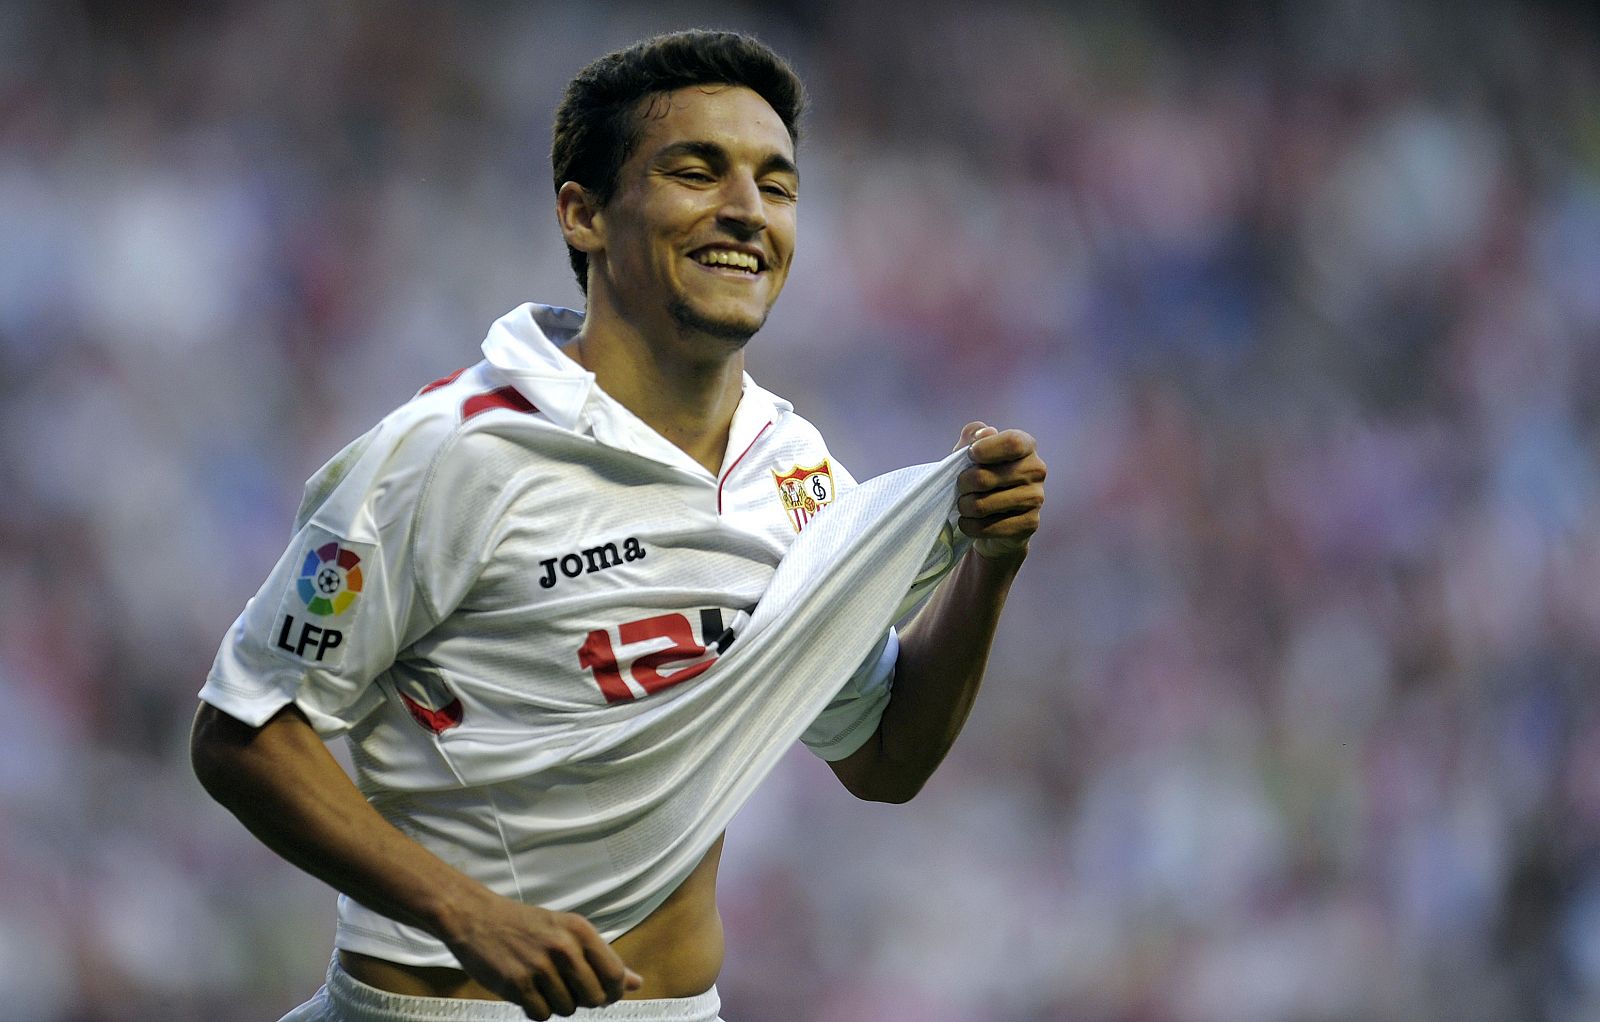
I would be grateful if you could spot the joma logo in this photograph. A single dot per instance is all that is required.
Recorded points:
(594, 558)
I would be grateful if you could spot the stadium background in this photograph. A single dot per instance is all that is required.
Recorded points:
(1294, 712)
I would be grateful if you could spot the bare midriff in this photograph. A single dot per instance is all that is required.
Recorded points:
(677, 949)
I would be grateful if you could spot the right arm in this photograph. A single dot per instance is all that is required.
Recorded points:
(284, 785)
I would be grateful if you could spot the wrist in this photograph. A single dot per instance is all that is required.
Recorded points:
(450, 911)
(1000, 551)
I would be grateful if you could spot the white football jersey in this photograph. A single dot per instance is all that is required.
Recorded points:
(531, 616)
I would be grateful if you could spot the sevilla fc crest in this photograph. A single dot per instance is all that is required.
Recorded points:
(804, 491)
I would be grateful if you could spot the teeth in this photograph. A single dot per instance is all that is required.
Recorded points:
(723, 257)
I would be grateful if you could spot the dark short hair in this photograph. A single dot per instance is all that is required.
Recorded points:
(598, 122)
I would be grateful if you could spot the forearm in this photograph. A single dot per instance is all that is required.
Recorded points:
(943, 652)
(285, 787)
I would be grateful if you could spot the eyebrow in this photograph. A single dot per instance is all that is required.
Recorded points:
(717, 156)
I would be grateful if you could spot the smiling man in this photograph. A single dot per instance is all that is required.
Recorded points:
(512, 595)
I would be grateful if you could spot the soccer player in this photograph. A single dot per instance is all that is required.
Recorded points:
(510, 594)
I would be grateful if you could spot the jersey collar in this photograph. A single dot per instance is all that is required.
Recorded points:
(524, 347)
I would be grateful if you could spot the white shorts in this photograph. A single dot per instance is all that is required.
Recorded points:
(347, 999)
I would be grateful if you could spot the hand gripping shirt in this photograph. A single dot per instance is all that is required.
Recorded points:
(563, 652)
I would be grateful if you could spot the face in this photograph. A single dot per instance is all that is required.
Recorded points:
(700, 232)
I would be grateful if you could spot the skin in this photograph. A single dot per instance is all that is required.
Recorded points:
(665, 335)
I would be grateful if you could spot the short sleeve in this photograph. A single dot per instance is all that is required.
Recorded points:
(348, 594)
(853, 715)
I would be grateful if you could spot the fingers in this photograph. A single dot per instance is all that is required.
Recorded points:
(556, 964)
(552, 996)
(580, 971)
(999, 496)
(1002, 461)
(1030, 471)
(998, 446)
(614, 977)
(999, 503)
(1011, 530)
(591, 970)
(611, 978)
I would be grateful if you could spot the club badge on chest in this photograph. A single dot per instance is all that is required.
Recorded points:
(805, 491)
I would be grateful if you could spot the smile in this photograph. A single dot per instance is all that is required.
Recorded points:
(745, 262)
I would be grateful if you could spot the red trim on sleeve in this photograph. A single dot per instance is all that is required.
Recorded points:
(505, 397)
(723, 481)
(442, 381)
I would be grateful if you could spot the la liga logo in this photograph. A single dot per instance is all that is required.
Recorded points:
(330, 580)
(329, 584)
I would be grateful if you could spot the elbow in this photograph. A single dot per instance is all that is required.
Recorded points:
(892, 797)
(873, 774)
(211, 775)
(894, 791)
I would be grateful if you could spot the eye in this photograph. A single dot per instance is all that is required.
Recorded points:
(778, 192)
(694, 175)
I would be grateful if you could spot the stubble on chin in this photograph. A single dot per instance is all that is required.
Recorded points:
(691, 321)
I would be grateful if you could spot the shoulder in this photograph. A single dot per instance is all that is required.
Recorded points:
(462, 414)
(800, 442)
(448, 435)
(793, 426)
(788, 426)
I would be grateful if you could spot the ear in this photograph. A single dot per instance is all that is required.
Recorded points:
(579, 216)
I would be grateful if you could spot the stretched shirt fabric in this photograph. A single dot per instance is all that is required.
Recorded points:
(562, 651)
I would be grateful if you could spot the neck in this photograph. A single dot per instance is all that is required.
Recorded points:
(684, 387)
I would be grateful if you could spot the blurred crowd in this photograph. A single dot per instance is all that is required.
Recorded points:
(1294, 715)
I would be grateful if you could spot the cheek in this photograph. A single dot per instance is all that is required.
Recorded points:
(783, 229)
(669, 226)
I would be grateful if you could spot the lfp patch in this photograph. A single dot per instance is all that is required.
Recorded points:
(805, 491)
(320, 605)
(330, 580)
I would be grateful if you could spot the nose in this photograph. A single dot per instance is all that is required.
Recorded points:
(742, 209)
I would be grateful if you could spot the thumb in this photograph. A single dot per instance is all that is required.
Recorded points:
(973, 431)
